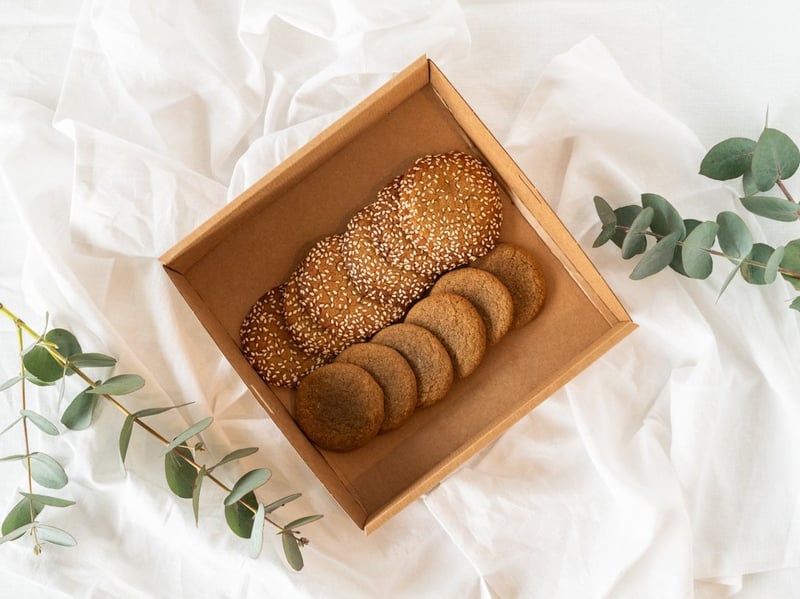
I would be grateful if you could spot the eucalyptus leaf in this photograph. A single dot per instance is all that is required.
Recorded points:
(48, 499)
(46, 471)
(635, 241)
(179, 472)
(771, 271)
(80, 411)
(10, 426)
(121, 384)
(15, 534)
(795, 305)
(198, 484)
(697, 261)
(771, 207)
(775, 157)
(291, 549)
(749, 183)
(753, 273)
(55, 536)
(160, 410)
(90, 360)
(625, 217)
(237, 454)
(302, 521)
(608, 219)
(41, 364)
(656, 258)
(20, 515)
(791, 262)
(239, 517)
(13, 458)
(248, 482)
(125, 437)
(10, 382)
(195, 429)
(257, 534)
(666, 218)
(40, 383)
(728, 159)
(728, 280)
(677, 259)
(279, 503)
(734, 237)
(42, 423)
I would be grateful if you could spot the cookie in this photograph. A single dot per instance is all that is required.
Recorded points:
(449, 206)
(331, 298)
(518, 270)
(490, 297)
(392, 372)
(393, 243)
(339, 406)
(373, 275)
(268, 345)
(457, 324)
(306, 332)
(427, 357)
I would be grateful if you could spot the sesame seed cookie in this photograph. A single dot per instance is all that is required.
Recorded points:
(393, 373)
(268, 345)
(373, 275)
(449, 205)
(518, 270)
(339, 406)
(427, 357)
(328, 293)
(457, 324)
(307, 333)
(490, 297)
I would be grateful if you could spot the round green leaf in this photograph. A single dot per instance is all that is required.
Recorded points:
(666, 218)
(795, 305)
(80, 411)
(16, 533)
(775, 157)
(608, 219)
(625, 217)
(47, 471)
(257, 534)
(121, 384)
(42, 423)
(734, 237)
(91, 360)
(771, 207)
(55, 536)
(677, 260)
(791, 262)
(749, 183)
(771, 271)
(248, 482)
(239, 517)
(179, 472)
(657, 258)
(635, 242)
(697, 261)
(728, 159)
(754, 273)
(41, 364)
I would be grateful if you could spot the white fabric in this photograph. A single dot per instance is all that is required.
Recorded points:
(668, 469)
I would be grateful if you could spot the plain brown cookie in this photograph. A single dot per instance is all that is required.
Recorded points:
(328, 293)
(268, 345)
(427, 357)
(449, 205)
(339, 406)
(393, 373)
(457, 324)
(518, 270)
(307, 333)
(490, 297)
(372, 274)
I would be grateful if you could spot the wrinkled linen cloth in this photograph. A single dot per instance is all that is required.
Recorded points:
(669, 468)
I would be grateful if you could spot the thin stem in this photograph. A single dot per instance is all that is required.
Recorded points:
(785, 190)
(23, 393)
(787, 272)
(63, 361)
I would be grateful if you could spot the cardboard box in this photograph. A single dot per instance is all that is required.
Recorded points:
(253, 244)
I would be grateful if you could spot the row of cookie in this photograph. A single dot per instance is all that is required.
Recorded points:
(375, 386)
(444, 211)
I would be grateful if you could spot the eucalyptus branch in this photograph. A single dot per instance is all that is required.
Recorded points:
(57, 354)
(37, 547)
(686, 245)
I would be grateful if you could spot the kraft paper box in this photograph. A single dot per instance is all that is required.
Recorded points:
(254, 243)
